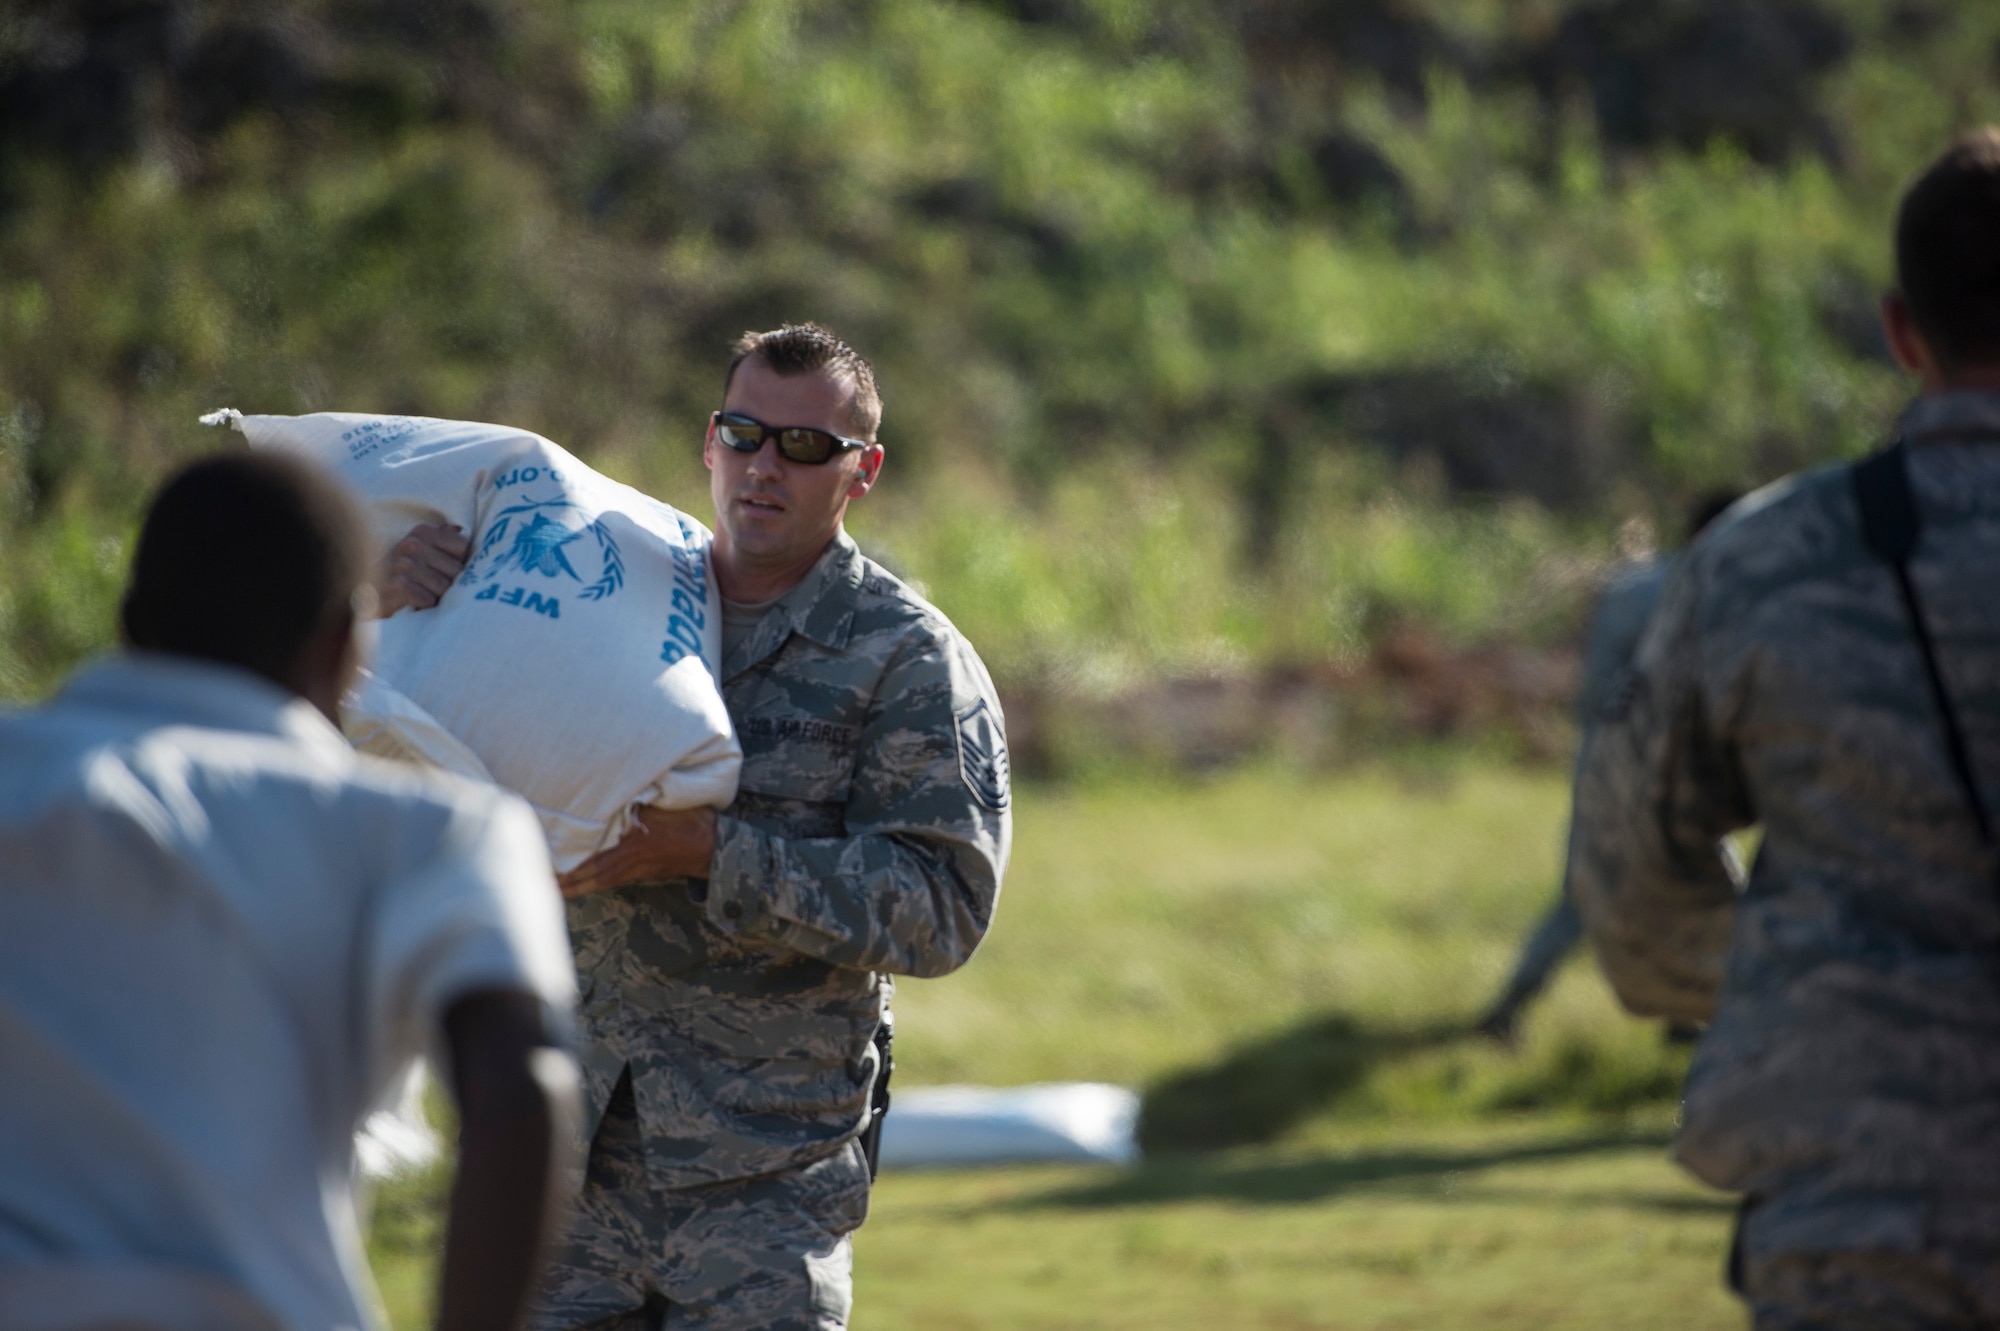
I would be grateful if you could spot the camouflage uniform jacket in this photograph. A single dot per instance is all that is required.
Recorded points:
(1623, 610)
(1854, 986)
(869, 835)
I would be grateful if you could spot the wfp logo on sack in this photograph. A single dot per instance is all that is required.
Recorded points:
(534, 554)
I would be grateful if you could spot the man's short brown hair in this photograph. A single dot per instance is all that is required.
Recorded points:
(1948, 251)
(809, 349)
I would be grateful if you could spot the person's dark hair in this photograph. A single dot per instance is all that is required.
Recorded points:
(1948, 251)
(242, 558)
(809, 349)
(1707, 507)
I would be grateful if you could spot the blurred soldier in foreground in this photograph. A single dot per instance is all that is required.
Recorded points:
(223, 936)
(1623, 610)
(736, 968)
(1827, 662)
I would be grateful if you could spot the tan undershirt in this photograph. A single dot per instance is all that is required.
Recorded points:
(739, 617)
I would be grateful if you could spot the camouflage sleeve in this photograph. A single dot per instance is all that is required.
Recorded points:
(911, 889)
(1656, 789)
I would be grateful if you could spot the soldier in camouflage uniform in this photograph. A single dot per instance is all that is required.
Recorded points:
(1849, 1085)
(735, 969)
(1623, 609)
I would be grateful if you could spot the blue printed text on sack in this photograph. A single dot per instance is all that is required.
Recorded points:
(371, 436)
(527, 600)
(690, 606)
(524, 476)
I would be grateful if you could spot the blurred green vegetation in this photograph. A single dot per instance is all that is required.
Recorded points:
(1214, 335)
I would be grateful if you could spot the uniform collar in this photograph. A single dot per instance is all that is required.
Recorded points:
(184, 690)
(820, 608)
(1940, 417)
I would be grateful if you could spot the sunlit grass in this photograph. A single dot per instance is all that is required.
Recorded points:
(1151, 930)
(1148, 929)
(1535, 1225)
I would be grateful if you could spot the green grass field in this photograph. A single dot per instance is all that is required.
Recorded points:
(1538, 1224)
(1289, 963)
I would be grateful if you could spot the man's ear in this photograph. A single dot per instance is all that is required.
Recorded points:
(865, 475)
(1906, 340)
(708, 446)
(328, 662)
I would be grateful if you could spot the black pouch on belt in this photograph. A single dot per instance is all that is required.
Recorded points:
(878, 1102)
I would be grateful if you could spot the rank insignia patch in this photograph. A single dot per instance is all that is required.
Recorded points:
(982, 755)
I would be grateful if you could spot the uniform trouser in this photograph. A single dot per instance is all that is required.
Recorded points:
(1895, 1261)
(769, 1253)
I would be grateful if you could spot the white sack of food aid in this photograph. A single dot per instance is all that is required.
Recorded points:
(575, 659)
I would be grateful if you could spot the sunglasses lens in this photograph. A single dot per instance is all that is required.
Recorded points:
(741, 435)
(808, 446)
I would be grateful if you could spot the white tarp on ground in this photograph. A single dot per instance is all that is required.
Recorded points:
(929, 1127)
(575, 659)
(939, 1127)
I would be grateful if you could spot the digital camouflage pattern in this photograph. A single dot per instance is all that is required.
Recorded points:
(1623, 609)
(862, 843)
(868, 838)
(770, 1253)
(1854, 987)
(1895, 1259)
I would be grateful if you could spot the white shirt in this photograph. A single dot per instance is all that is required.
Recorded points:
(223, 935)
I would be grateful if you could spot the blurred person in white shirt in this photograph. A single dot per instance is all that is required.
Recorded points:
(224, 936)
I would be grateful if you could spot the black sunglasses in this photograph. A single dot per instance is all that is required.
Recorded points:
(796, 443)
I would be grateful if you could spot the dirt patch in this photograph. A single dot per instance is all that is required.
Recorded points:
(1412, 687)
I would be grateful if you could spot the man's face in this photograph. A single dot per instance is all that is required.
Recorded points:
(773, 516)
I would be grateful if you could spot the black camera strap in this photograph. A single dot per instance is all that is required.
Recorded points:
(1891, 527)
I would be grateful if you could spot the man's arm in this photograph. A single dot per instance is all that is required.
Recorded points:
(667, 843)
(908, 904)
(1656, 790)
(911, 891)
(879, 902)
(911, 888)
(518, 1109)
